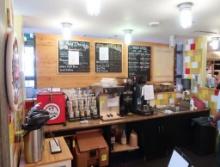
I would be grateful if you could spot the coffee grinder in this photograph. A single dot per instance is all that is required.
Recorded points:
(126, 98)
(137, 100)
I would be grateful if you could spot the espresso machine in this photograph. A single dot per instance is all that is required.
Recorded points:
(140, 102)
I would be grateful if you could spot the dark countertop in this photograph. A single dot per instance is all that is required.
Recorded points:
(77, 125)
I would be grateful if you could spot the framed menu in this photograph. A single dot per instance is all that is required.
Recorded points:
(73, 56)
(139, 61)
(108, 57)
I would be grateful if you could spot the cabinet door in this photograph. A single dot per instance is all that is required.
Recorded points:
(177, 131)
(153, 139)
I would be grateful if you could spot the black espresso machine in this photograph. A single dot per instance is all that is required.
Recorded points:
(131, 99)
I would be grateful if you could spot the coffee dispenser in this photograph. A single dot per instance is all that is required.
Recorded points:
(34, 136)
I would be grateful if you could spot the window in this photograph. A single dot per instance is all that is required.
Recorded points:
(29, 64)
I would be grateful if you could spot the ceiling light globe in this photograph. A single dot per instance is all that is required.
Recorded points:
(186, 18)
(185, 14)
(93, 7)
(214, 44)
(66, 30)
(128, 39)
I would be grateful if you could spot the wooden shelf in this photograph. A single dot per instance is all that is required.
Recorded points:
(121, 148)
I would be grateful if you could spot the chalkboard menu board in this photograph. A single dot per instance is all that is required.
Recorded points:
(73, 56)
(108, 57)
(139, 58)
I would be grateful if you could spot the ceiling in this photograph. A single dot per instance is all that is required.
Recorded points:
(117, 15)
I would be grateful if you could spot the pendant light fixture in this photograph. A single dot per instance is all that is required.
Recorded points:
(128, 37)
(66, 30)
(185, 17)
(93, 7)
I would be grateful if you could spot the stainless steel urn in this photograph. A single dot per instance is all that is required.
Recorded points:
(33, 145)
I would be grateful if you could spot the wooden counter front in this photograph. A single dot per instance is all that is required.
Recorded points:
(48, 159)
(131, 118)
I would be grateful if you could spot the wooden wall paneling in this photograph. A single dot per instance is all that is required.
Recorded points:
(47, 62)
(152, 45)
(4, 109)
(163, 64)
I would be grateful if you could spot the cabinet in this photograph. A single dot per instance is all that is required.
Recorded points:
(157, 134)
(152, 140)
(62, 159)
(122, 155)
(127, 128)
(177, 132)
(160, 136)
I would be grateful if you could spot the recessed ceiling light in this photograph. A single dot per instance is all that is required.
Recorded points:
(154, 24)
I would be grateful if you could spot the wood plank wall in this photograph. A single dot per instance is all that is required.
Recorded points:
(4, 108)
(47, 62)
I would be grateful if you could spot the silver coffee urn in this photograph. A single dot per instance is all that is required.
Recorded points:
(34, 136)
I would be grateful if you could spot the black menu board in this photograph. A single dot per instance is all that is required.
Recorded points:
(139, 58)
(108, 57)
(73, 56)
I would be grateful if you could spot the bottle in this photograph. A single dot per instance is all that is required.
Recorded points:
(133, 139)
(112, 139)
(70, 109)
(123, 138)
(192, 104)
(171, 101)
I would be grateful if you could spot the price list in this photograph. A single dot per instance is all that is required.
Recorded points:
(139, 61)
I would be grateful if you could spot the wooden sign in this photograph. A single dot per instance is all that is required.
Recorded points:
(73, 56)
(108, 57)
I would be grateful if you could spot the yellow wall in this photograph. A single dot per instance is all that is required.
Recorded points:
(198, 55)
(207, 94)
(163, 98)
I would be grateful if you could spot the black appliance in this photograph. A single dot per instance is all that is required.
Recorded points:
(140, 106)
(126, 99)
(186, 84)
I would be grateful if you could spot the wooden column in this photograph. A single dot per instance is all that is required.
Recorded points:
(4, 132)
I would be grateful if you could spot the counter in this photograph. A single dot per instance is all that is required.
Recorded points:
(127, 119)
(50, 160)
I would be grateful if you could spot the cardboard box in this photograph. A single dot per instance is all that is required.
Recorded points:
(91, 149)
